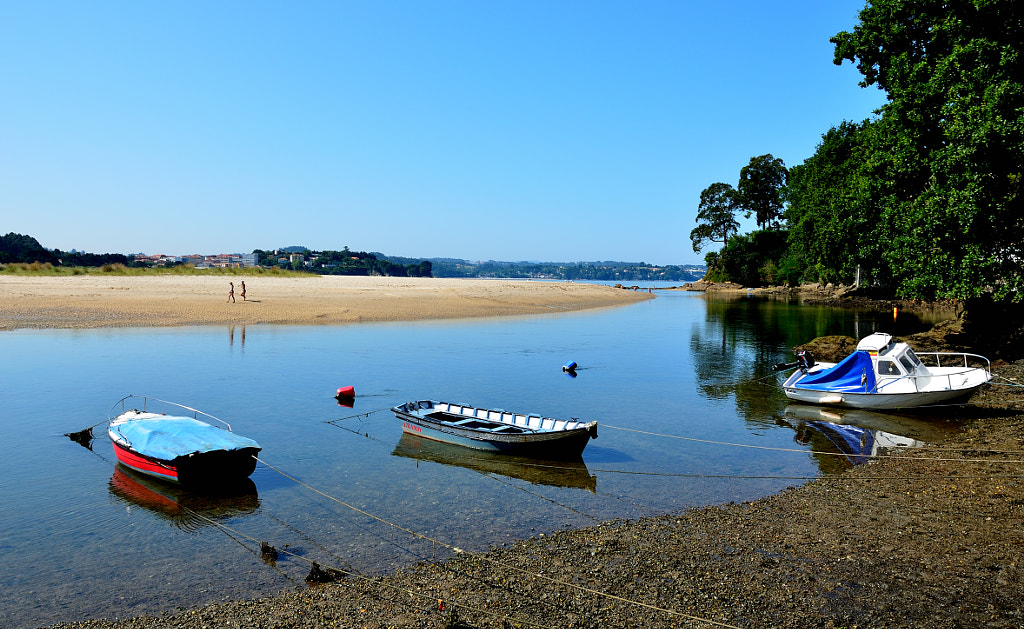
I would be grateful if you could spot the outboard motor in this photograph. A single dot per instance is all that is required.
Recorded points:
(804, 359)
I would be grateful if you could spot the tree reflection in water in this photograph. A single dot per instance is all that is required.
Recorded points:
(742, 336)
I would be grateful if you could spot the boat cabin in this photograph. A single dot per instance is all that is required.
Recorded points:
(891, 359)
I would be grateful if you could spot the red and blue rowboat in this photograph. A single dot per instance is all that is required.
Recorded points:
(178, 448)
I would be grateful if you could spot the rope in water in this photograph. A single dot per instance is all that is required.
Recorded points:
(459, 551)
(760, 476)
(742, 445)
(739, 445)
(777, 449)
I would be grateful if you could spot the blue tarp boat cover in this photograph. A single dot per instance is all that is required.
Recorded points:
(854, 374)
(169, 437)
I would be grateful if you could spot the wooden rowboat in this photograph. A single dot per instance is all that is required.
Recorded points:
(496, 430)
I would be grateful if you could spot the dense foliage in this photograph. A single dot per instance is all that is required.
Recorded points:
(749, 259)
(948, 150)
(925, 198)
(19, 248)
(833, 226)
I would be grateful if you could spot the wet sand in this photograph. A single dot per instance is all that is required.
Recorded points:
(92, 301)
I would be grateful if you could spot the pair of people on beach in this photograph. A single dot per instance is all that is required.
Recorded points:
(231, 292)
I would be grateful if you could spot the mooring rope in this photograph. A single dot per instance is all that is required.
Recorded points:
(816, 478)
(459, 551)
(723, 443)
(357, 415)
(797, 450)
(1012, 383)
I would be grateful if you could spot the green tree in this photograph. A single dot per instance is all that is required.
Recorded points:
(23, 248)
(717, 210)
(760, 189)
(831, 218)
(750, 259)
(949, 156)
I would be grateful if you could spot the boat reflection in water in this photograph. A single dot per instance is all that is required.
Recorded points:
(572, 473)
(185, 509)
(858, 434)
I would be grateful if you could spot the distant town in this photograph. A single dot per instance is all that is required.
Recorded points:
(222, 260)
(22, 249)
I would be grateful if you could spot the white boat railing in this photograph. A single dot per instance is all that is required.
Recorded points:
(959, 358)
(123, 402)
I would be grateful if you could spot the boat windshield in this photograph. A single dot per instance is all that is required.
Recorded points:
(909, 360)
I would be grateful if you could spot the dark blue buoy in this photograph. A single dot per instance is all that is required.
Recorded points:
(569, 366)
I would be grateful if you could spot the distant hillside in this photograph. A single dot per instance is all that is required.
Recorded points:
(605, 271)
(23, 249)
(18, 248)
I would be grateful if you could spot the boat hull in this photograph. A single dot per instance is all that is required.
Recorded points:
(878, 401)
(180, 449)
(428, 423)
(218, 467)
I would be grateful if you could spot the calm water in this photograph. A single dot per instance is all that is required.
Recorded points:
(80, 538)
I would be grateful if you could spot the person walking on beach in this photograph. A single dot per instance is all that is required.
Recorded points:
(243, 290)
(231, 293)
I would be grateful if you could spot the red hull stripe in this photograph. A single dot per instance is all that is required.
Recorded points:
(145, 464)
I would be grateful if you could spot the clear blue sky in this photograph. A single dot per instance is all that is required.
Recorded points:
(526, 130)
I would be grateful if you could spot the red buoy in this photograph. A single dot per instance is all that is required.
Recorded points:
(346, 392)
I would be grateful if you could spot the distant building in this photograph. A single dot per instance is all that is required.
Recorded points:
(202, 262)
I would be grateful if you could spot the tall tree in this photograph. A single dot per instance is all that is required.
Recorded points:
(831, 218)
(760, 189)
(717, 210)
(950, 153)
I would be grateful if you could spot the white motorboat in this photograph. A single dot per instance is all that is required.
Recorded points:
(882, 374)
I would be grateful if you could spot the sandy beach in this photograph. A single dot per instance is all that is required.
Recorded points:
(94, 301)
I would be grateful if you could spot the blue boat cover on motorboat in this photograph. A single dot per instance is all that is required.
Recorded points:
(853, 374)
(168, 437)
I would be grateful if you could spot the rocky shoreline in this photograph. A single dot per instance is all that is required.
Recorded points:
(928, 537)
